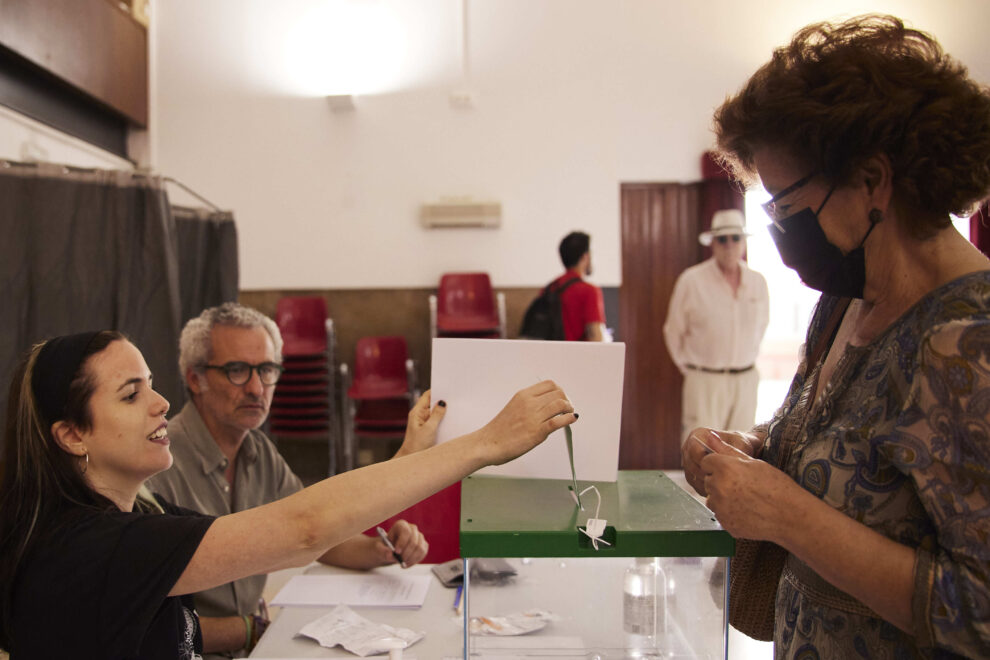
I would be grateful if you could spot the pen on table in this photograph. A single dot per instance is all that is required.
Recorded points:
(263, 609)
(458, 603)
(384, 537)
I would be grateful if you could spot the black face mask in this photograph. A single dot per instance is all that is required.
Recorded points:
(821, 265)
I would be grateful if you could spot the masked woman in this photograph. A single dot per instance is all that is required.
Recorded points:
(93, 568)
(873, 474)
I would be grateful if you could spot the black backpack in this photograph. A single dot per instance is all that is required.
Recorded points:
(543, 318)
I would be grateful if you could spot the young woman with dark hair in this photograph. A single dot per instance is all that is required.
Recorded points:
(94, 567)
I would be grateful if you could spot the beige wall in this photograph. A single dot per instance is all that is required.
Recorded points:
(572, 97)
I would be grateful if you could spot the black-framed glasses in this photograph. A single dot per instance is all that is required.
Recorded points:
(770, 207)
(735, 238)
(238, 373)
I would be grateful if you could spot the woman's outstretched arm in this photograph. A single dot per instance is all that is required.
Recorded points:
(297, 529)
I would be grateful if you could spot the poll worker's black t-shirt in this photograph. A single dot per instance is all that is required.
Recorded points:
(96, 586)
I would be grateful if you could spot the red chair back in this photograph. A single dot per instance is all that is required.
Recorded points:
(466, 303)
(380, 368)
(302, 322)
(439, 519)
(381, 414)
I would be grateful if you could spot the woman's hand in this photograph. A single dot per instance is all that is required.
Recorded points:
(421, 427)
(748, 496)
(701, 442)
(526, 420)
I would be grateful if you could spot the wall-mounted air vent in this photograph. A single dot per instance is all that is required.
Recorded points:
(461, 213)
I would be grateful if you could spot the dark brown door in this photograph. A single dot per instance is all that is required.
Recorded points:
(660, 226)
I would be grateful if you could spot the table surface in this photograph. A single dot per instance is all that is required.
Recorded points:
(437, 618)
(586, 594)
(444, 638)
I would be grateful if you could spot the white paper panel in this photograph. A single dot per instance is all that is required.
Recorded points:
(476, 377)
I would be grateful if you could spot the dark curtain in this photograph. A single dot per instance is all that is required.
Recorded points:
(979, 228)
(207, 252)
(95, 249)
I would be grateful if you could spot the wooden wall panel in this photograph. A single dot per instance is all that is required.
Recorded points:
(368, 312)
(93, 45)
(659, 240)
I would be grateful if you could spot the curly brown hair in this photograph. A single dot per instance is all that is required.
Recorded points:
(841, 93)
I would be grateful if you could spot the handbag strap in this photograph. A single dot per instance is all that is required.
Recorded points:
(827, 336)
(825, 340)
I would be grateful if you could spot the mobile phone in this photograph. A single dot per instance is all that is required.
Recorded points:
(486, 569)
(450, 573)
(491, 569)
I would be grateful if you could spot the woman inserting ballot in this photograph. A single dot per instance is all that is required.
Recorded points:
(94, 567)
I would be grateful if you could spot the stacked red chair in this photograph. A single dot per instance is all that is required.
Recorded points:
(379, 394)
(465, 305)
(439, 519)
(303, 404)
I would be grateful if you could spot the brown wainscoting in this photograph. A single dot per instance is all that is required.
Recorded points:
(370, 312)
(360, 313)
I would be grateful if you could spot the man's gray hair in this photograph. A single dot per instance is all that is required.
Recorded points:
(194, 343)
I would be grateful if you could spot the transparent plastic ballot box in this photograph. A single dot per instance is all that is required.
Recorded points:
(535, 585)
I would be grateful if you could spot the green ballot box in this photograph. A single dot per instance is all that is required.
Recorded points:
(535, 584)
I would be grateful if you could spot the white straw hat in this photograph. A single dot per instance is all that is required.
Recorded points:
(726, 221)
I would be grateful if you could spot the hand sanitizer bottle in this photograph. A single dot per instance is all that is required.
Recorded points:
(643, 607)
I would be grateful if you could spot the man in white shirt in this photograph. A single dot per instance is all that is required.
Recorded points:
(718, 314)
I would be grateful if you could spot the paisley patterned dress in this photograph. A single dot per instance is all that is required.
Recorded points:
(899, 441)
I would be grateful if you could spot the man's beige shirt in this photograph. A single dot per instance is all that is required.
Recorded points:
(195, 481)
(708, 326)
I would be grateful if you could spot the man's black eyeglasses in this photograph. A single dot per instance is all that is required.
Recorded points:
(771, 206)
(735, 238)
(239, 373)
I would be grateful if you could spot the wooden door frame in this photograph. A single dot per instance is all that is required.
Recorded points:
(660, 223)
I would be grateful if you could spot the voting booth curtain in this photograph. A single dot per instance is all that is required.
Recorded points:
(103, 249)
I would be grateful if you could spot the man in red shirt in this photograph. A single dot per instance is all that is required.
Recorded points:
(582, 306)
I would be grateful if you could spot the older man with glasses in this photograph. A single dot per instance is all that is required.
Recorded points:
(230, 357)
(718, 314)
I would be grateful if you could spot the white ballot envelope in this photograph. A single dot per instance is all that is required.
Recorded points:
(477, 377)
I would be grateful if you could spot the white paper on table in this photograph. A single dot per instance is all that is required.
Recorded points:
(371, 590)
(344, 627)
(477, 377)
